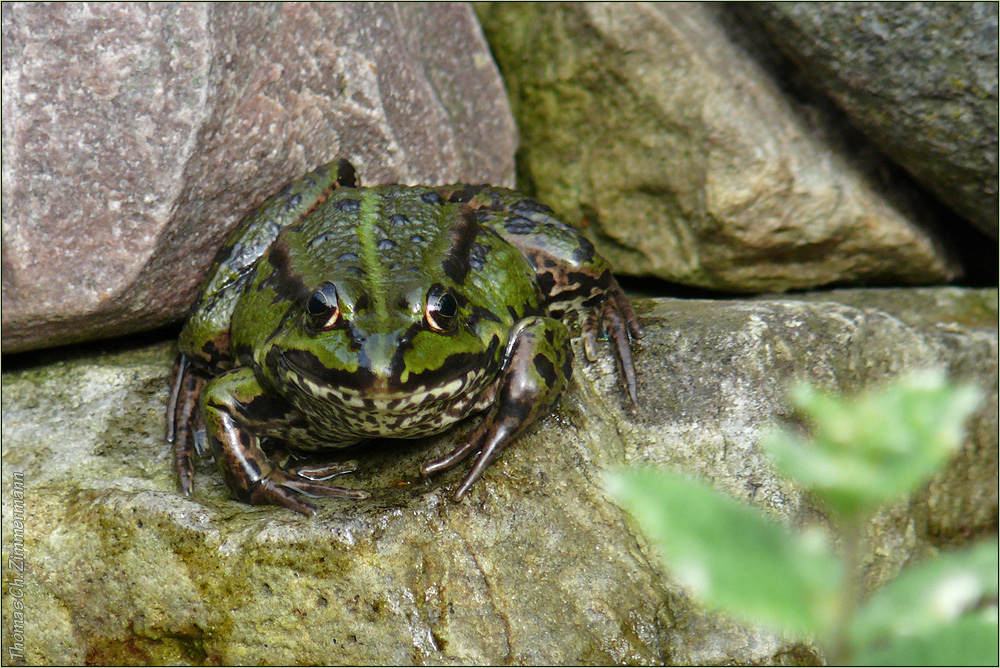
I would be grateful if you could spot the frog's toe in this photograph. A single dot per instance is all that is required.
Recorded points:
(324, 471)
(589, 329)
(618, 330)
(281, 489)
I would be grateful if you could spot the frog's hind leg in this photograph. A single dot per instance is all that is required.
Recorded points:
(185, 427)
(539, 365)
(234, 407)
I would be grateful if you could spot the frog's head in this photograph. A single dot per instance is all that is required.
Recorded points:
(419, 341)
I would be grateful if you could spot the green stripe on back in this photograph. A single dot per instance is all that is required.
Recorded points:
(371, 213)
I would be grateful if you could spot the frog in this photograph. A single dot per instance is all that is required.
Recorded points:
(336, 314)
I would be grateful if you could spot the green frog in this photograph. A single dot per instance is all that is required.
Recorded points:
(335, 314)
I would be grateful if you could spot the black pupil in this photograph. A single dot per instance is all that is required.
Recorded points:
(446, 306)
(322, 301)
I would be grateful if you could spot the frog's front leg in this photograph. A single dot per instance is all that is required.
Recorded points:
(539, 363)
(576, 282)
(234, 407)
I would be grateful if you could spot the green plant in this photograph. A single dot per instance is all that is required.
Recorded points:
(863, 452)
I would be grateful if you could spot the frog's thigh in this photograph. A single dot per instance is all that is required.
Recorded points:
(232, 404)
(539, 365)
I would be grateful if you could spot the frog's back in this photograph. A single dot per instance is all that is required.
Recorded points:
(385, 242)
(381, 233)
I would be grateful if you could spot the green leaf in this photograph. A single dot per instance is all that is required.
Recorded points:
(729, 555)
(968, 641)
(876, 447)
(929, 596)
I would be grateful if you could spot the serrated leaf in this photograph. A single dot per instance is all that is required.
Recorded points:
(729, 555)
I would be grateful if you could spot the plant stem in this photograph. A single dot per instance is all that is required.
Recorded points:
(841, 650)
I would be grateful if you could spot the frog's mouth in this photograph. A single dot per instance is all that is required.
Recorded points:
(363, 389)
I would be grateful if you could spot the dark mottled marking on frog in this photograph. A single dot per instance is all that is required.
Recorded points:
(482, 313)
(466, 194)
(399, 220)
(217, 353)
(520, 225)
(292, 202)
(416, 239)
(546, 280)
(346, 176)
(456, 260)
(249, 462)
(545, 368)
(590, 293)
(347, 205)
(515, 316)
(477, 256)
(363, 303)
(531, 205)
(516, 411)
(243, 354)
(285, 282)
(433, 198)
(550, 336)
(265, 407)
(385, 244)
(347, 256)
(303, 362)
(567, 365)
(452, 367)
(584, 253)
(355, 269)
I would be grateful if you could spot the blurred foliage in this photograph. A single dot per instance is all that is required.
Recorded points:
(861, 452)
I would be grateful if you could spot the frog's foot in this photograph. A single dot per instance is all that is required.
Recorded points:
(185, 426)
(618, 320)
(233, 413)
(538, 366)
(488, 439)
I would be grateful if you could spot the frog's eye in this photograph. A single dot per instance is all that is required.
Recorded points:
(442, 307)
(323, 307)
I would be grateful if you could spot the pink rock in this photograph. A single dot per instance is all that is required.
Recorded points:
(135, 137)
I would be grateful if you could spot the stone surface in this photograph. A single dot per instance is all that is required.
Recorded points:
(134, 136)
(647, 125)
(536, 566)
(920, 79)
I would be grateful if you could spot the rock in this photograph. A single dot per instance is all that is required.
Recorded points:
(646, 125)
(920, 79)
(535, 566)
(134, 137)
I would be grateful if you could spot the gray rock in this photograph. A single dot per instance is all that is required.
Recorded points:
(647, 126)
(535, 566)
(919, 78)
(134, 137)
